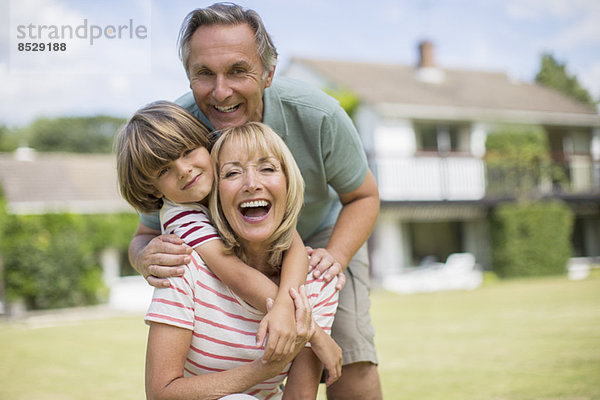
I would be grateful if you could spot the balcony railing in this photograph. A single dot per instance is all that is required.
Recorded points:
(432, 178)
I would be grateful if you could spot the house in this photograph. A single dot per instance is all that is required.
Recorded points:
(40, 183)
(424, 129)
(44, 183)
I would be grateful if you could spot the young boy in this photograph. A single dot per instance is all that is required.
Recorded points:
(163, 162)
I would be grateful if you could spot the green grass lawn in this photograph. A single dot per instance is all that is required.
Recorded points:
(522, 339)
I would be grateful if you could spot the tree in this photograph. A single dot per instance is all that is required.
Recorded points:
(518, 161)
(8, 139)
(553, 74)
(348, 100)
(73, 134)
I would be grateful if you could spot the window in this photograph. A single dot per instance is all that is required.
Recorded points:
(441, 137)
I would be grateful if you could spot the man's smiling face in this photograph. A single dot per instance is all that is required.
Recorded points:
(226, 74)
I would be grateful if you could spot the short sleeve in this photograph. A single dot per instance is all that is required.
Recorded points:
(151, 220)
(343, 154)
(174, 305)
(192, 224)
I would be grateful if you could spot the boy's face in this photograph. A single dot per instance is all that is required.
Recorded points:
(187, 179)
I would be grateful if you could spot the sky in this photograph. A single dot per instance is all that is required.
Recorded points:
(104, 70)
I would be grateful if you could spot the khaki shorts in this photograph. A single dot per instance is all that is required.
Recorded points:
(352, 329)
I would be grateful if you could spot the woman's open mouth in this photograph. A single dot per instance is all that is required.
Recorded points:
(255, 210)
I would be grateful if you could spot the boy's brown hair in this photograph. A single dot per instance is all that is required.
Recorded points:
(157, 134)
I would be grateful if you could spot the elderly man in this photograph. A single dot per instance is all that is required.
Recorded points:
(230, 61)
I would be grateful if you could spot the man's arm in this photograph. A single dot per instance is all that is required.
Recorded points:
(352, 228)
(154, 255)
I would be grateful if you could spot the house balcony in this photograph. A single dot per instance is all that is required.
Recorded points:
(430, 178)
(464, 178)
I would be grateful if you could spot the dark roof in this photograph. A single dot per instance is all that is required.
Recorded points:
(34, 183)
(391, 86)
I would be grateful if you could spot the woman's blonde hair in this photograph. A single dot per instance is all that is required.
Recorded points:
(156, 134)
(258, 139)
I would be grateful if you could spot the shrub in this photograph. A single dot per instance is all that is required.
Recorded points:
(531, 239)
(53, 260)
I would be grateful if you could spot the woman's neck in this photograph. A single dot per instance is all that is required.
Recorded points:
(257, 255)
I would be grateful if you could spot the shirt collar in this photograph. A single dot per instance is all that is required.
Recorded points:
(273, 114)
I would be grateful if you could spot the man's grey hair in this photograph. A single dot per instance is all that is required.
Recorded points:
(227, 14)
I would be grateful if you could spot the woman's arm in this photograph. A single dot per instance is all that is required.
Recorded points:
(329, 353)
(165, 357)
(304, 376)
(167, 351)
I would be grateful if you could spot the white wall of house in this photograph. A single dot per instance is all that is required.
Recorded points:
(391, 252)
(394, 138)
(366, 121)
(476, 240)
(591, 230)
(130, 293)
(478, 136)
(299, 71)
(595, 144)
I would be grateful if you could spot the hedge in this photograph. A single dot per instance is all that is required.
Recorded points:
(53, 260)
(531, 238)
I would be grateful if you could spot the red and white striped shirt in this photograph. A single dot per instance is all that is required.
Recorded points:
(224, 326)
(191, 222)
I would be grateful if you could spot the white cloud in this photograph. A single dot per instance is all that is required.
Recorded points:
(539, 9)
(78, 81)
(585, 30)
(83, 41)
(589, 77)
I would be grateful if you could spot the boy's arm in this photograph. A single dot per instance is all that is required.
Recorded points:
(249, 283)
(293, 274)
(294, 269)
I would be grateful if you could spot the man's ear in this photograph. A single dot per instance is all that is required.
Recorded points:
(269, 78)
